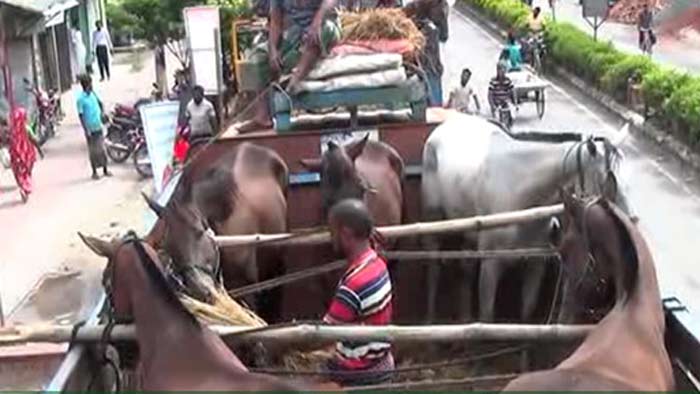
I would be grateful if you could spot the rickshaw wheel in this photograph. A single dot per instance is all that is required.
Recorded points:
(539, 97)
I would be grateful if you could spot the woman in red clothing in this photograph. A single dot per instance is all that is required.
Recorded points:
(22, 154)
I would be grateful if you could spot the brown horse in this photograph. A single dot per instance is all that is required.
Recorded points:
(625, 351)
(176, 352)
(367, 170)
(243, 192)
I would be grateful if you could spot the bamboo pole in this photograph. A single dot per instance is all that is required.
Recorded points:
(308, 333)
(476, 223)
(401, 255)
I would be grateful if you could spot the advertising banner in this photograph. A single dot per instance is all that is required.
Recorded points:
(201, 25)
(160, 127)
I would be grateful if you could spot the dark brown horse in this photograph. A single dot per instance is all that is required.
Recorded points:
(176, 352)
(243, 192)
(625, 351)
(367, 170)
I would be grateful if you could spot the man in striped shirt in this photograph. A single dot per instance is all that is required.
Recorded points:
(363, 296)
(500, 89)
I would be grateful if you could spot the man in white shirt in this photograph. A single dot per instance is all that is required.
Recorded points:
(461, 97)
(201, 116)
(101, 46)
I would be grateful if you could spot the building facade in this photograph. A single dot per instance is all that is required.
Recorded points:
(46, 42)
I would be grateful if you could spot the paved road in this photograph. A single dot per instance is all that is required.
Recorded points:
(672, 51)
(665, 193)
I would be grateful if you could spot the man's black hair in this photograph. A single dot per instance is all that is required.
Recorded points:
(198, 88)
(84, 80)
(353, 214)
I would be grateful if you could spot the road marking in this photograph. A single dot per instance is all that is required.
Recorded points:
(631, 144)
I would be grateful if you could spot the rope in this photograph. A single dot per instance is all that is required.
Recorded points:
(397, 371)
(432, 383)
(400, 255)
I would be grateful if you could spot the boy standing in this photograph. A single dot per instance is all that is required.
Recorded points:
(90, 110)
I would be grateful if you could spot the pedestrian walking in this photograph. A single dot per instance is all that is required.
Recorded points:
(91, 111)
(101, 47)
(22, 153)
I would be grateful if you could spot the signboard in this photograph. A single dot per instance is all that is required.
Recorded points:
(344, 137)
(595, 8)
(202, 28)
(160, 128)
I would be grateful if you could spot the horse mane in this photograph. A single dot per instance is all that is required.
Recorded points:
(162, 286)
(629, 251)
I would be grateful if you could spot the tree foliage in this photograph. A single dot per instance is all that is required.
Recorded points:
(160, 21)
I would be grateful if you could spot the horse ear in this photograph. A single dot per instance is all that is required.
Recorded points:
(332, 145)
(311, 164)
(567, 197)
(555, 232)
(354, 149)
(609, 189)
(155, 207)
(100, 247)
(592, 149)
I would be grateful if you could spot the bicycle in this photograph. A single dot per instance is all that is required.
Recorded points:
(647, 43)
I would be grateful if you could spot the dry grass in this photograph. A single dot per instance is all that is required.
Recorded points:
(224, 310)
(381, 23)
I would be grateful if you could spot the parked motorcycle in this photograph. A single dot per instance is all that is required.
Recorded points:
(142, 162)
(125, 126)
(48, 108)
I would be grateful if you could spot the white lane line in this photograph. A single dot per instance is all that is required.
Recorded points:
(631, 144)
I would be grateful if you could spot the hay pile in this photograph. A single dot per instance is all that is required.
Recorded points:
(380, 24)
(224, 310)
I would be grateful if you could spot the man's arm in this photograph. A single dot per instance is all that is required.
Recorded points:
(314, 33)
(276, 22)
(476, 101)
(213, 120)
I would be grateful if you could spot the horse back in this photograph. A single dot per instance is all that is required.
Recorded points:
(565, 380)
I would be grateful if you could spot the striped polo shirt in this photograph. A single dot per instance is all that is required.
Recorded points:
(363, 296)
(501, 90)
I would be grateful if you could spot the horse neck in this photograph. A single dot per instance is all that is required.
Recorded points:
(548, 170)
(164, 334)
(645, 300)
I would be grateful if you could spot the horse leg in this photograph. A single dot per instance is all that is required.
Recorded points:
(489, 276)
(533, 276)
(491, 270)
(251, 276)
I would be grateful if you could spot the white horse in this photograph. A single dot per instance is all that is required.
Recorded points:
(472, 166)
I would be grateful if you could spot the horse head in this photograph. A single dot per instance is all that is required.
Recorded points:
(123, 255)
(593, 249)
(339, 177)
(594, 159)
(186, 237)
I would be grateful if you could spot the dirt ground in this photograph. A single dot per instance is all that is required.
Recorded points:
(43, 264)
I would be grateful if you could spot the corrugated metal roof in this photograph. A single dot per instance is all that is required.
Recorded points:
(37, 6)
(26, 5)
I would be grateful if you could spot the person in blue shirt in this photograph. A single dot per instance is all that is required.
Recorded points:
(515, 57)
(90, 110)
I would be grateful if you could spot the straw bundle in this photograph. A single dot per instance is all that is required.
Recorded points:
(224, 310)
(306, 361)
(380, 24)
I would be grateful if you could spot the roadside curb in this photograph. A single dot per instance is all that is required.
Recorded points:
(563, 77)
